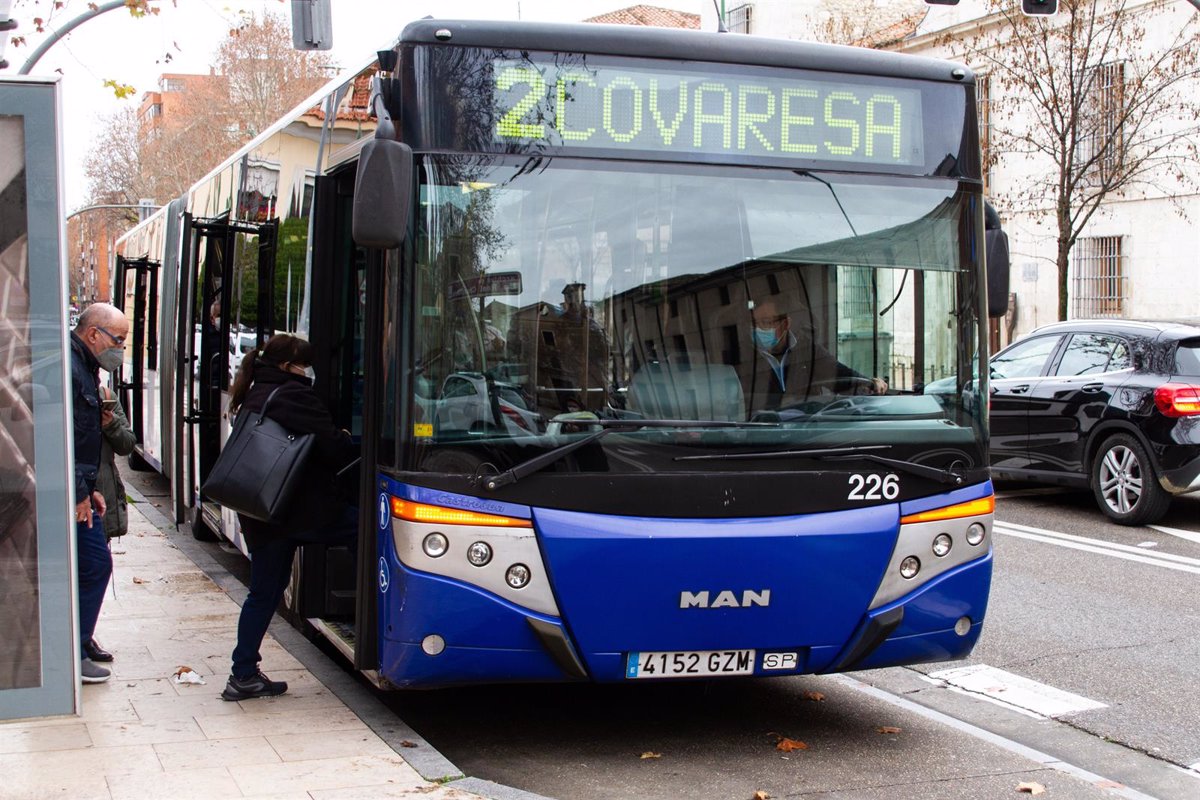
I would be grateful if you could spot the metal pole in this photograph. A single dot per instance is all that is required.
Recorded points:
(108, 205)
(72, 25)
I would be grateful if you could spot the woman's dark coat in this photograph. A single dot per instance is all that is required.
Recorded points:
(318, 501)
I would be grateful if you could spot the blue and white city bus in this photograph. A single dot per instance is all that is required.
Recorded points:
(542, 269)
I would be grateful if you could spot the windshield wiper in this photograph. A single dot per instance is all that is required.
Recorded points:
(950, 475)
(510, 476)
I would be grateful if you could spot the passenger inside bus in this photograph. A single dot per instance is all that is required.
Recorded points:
(791, 367)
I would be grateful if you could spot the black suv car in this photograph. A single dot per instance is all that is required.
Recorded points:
(1110, 404)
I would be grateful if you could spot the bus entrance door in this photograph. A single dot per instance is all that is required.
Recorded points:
(137, 295)
(226, 311)
(329, 578)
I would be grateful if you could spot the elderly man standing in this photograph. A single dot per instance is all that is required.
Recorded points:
(97, 341)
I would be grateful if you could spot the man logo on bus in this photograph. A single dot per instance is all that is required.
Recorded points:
(725, 599)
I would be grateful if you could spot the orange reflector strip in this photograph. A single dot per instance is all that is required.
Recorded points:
(419, 512)
(971, 508)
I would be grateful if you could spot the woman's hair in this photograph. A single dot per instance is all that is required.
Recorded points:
(282, 348)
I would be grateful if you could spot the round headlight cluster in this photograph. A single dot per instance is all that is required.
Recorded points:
(909, 567)
(518, 576)
(942, 544)
(479, 554)
(975, 533)
(435, 545)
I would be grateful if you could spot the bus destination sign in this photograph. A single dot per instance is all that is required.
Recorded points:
(807, 116)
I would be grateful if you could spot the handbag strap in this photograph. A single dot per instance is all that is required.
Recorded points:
(263, 413)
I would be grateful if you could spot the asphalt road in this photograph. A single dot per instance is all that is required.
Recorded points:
(1109, 617)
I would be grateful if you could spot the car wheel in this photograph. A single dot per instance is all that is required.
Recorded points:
(1124, 482)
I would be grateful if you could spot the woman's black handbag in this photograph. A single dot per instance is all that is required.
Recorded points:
(259, 468)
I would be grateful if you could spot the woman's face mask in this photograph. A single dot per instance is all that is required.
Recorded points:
(310, 373)
(766, 338)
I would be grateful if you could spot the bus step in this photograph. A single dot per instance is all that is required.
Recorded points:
(340, 634)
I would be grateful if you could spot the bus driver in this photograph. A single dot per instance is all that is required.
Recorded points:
(789, 369)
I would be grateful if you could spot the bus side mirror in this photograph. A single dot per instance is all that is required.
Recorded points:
(996, 245)
(382, 194)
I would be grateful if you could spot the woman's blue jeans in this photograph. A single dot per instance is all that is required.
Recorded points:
(270, 571)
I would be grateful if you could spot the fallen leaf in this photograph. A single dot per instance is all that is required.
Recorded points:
(648, 754)
(407, 743)
(138, 580)
(888, 729)
(787, 745)
(1031, 788)
(761, 795)
(816, 697)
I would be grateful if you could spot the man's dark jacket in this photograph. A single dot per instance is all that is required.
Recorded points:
(85, 400)
(318, 502)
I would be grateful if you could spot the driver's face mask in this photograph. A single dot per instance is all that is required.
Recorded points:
(766, 338)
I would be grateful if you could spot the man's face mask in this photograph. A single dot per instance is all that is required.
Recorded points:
(766, 338)
(111, 358)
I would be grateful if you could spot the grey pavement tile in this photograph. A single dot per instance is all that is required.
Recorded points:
(226, 752)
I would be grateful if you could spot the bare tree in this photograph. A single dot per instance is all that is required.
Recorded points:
(265, 76)
(257, 79)
(1109, 109)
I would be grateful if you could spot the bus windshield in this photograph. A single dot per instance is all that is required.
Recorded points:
(553, 296)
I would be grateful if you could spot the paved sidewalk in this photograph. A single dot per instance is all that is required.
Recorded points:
(144, 735)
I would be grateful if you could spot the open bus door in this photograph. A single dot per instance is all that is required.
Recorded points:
(333, 590)
(136, 284)
(224, 257)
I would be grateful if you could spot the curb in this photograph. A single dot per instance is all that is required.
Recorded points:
(429, 763)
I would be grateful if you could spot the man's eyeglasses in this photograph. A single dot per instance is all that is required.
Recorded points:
(120, 340)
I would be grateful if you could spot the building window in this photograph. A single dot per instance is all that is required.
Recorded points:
(1100, 287)
(737, 20)
(1102, 137)
(983, 89)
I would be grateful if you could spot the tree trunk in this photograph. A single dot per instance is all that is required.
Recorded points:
(1063, 258)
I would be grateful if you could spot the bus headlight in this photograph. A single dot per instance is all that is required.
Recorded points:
(933, 542)
(518, 576)
(942, 544)
(435, 545)
(479, 554)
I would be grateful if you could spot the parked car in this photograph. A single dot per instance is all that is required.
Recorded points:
(1112, 405)
(465, 405)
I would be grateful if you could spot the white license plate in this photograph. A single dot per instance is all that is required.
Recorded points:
(689, 664)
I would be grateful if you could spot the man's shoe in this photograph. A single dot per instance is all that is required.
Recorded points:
(95, 652)
(93, 672)
(257, 685)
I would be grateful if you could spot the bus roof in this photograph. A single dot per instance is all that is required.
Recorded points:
(684, 45)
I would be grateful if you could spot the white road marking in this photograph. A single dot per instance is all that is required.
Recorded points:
(1014, 690)
(1038, 756)
(1191, 536)
(1113, 550)
(1147, 544)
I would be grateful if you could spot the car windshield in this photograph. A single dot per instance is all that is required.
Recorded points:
(549, 295)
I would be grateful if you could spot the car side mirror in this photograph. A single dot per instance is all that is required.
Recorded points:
(382, 194)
